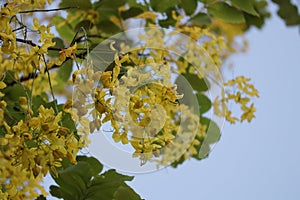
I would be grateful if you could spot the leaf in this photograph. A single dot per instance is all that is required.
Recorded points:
(86, 24)
(96, 165)
(107, 186)
(131, 12)
(288, 12)
(246, 5)
(213, 131)
(80, 4)
(74, 180)
(107, 8)
(189, 98)
(124, 192)
(204, 151)
(189, 6)
(170, 21)
(198, 84)
(109, 4)
(64, 29)
(108, 27)
(206, 1)
(162, 6)
(204, 103)
(258, 22)
(65, 71)
(225, 12)
(68, 122)
(134, 3)
(37, 101)
(201, 19)
(56, 191)
(14, 112)
(59, 43)
(82, 181)
(41, 197)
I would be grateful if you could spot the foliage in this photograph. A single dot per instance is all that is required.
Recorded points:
(42, 134)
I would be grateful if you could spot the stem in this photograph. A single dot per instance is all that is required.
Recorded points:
(50, 84)
(48, 10)
(29, 42)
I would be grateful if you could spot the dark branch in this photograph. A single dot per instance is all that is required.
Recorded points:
(35, 75)
(29, 42)
(48, 10)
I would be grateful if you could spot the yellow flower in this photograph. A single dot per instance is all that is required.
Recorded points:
(248, 113)
(147, 15)
(2, 85)
(229, 118)
(67, 53)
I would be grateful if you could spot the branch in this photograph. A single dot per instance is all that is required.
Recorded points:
(29, 42)
(48, 10)
(35, 75)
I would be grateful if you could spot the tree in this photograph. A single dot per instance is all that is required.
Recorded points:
(159, 87)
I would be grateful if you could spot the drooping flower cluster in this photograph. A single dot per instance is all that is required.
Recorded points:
(243, 92)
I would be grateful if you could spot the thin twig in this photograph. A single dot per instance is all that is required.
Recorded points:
(29, 42)
(50, 84)
(48, 10)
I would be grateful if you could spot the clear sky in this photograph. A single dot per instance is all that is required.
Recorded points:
(260, 160)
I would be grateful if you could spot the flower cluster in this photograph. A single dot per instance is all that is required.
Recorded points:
(242, 95)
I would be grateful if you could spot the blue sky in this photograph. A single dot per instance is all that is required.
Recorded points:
(259, 160)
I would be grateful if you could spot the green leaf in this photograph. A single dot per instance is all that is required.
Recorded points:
(107, 186)
(37, 101)
(108, 27)
(206, 1)
(245, 5)
(65, 71)
(64, 29)
(225, 12)
(162, 6)
(213, 131)
(86, 24)
(96, 165)
(189, 98)
(258, 22)
(56, 191)
(131, 12)
(9, 78)
(82, 181)
(109, 4)
(189, 6)
(68, 122)
(134, 3)
(41, 197)
(107, 8)
(201, 19)
(124, 192)
(59, 43)
(198, 84)
(203, 152)
(74, 180)
(14, 112)
(204, 103)
(288, 12)
(169, 21)
(166, 23)
(80, 4)
(13, 93)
